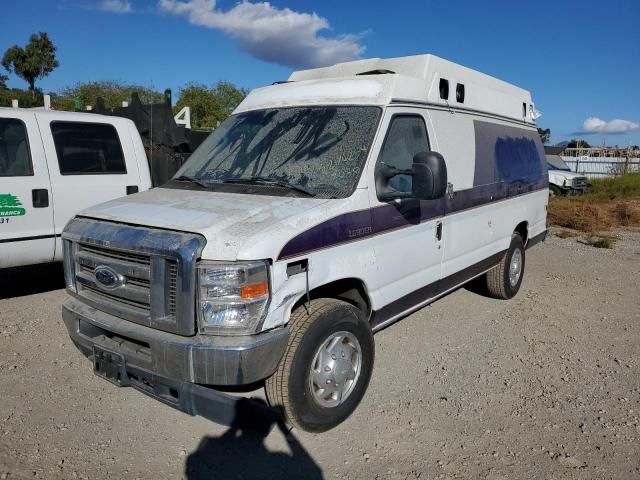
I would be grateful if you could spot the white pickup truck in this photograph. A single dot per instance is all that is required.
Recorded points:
(54, 164)
(562, 181)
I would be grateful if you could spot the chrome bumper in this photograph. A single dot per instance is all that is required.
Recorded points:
(199, 359)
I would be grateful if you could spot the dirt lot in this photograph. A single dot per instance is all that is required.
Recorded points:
(546, 386)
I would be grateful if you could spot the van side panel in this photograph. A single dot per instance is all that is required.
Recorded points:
(509, 187)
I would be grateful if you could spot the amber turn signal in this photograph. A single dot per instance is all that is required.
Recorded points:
(254, 290)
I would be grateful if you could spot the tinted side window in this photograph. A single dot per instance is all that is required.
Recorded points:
(407, 135)
(15, 160)
(87, 148)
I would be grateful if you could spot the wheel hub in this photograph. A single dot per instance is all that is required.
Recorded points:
(335, 369)
(515, 268)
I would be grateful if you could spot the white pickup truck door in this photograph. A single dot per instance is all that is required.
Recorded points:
(408, 246)
(26, 203)
(90, 162)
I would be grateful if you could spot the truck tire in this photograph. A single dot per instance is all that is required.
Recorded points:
(504, 280)
(326, 367)
(554, 191)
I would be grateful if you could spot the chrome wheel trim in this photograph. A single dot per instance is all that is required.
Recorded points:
(515, 267)
(335, 369)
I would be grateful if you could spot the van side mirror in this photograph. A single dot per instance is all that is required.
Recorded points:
(429, 176)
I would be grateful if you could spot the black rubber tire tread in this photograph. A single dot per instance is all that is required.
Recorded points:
(557, 192)
(277, 385)
(496, 279)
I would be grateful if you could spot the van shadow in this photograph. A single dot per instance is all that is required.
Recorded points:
(21, 281)
(241, 453)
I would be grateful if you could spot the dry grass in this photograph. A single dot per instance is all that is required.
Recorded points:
(611, 203)
(599, 241)
(588, 216)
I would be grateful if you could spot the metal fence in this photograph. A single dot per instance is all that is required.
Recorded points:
(598, 162)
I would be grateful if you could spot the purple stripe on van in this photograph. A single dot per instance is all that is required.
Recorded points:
(362, 224)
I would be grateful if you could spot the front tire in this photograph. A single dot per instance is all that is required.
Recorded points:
(554, 191)
(326, 368)
(504, 280)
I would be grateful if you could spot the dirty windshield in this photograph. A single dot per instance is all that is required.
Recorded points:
(310, 151)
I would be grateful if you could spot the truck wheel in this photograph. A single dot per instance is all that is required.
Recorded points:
(554, 191)
(505, 279)
(326, 367)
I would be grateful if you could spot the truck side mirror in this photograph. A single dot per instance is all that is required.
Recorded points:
(429, 176)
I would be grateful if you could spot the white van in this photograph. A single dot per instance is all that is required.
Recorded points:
(324, 209)
(54, 164)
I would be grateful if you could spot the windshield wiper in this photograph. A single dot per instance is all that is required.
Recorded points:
(187, 178)
(271, 181)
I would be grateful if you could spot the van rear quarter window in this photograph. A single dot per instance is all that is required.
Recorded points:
(15, 159)
(506, 154)
(85, 148)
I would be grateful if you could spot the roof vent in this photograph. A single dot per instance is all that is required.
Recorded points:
(444, 89)
(380, 71)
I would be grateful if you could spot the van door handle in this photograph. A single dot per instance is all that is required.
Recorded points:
(439, 231)
(40, 197)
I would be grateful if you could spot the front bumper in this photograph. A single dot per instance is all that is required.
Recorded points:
(200, 359)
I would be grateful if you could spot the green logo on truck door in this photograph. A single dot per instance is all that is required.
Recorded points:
(10, 206)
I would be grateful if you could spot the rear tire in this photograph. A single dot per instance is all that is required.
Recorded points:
(504, 280)
(318, 385)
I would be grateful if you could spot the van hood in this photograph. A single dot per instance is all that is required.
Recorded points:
(235, 226)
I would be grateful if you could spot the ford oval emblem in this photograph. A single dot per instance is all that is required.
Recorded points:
(107, 277)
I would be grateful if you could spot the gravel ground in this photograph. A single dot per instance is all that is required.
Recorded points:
(546, 385)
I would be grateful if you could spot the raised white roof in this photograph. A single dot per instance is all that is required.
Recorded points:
(378, 81)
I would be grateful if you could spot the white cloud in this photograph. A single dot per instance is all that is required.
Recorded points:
(596, 125)
(275, 35)
(115, 6)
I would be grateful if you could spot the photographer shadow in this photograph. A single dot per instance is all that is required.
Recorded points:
(241, 453)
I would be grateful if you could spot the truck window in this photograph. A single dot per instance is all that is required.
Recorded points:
(15, 160)
(88, 148)
(407, 135)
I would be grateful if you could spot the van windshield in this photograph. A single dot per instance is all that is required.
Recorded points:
(306, 151)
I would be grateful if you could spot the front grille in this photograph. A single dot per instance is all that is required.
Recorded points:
(109, 298)
(139, 274)
(135, 268)
(173, 287)
(117, 254)
(579, 182)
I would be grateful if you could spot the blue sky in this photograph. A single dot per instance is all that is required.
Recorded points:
(580, 59)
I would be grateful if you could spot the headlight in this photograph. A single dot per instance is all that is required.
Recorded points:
(232, 297)
(69, 264)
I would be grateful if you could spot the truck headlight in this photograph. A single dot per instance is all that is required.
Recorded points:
(69, 264)
(232, 297)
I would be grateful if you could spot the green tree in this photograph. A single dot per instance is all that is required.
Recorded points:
(3, 81)
(545, 135)
(112, 92)
(577, 143)
(36, 60)
(209, 105)
(26, 98)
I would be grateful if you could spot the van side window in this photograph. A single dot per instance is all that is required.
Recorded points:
(407, 135)
(15, 159)
(88, 148)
